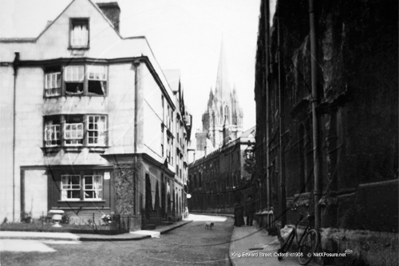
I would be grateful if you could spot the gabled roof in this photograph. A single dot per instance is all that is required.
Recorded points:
(53, 21)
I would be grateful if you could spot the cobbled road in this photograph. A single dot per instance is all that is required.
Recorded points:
(190, 244)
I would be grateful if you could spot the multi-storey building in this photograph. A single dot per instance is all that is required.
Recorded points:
(222, 178)
(90, 124)
(326, 95)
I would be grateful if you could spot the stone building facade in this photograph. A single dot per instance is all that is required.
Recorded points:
(88, 129)
(223, 113)
(356, 118)
(220, 179)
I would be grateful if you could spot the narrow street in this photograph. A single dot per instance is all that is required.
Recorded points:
(191, 244)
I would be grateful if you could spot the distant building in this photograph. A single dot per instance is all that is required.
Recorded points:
(90, 124)
(220, 179)
(223, 113)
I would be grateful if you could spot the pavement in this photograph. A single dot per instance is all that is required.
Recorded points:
(132, 236)
(249, 245)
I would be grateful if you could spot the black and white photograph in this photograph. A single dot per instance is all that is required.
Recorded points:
(199, 132)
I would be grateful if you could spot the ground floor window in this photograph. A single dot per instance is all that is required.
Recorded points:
(82, 187)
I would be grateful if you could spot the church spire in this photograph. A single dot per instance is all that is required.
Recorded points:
(222, 90)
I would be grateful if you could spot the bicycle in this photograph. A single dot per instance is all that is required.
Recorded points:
(307, 244)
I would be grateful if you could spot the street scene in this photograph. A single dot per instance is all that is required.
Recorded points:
(201, 132)
(190, 244)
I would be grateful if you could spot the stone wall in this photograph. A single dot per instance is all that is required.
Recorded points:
(363, 247)
(126, 189)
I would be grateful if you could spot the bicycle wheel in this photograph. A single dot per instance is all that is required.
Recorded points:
(308, 246)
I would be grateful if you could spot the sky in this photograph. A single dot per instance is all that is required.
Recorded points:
(183, 34)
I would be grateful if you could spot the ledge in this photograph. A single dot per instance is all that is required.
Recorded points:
(93, 149)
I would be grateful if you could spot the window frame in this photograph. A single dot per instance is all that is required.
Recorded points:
(66, 70)
(68, 78)
(53, 128)
(104, 131)
(72, 23)
(66, 190)
(65, 131)
(47, 121)
(82, 187)
(104, 79)
(47, 87)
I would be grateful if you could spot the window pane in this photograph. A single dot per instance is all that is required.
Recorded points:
(96, 130)
(93, 187)
(52, 84)
(89, 194)
(74, 74)
(80, 34)
(73, 134)
(75, 180)
(88, 182)
(74, 194)
(97, 79)
(97, 72)
(51, 135)
(70, 187)
(98, 182)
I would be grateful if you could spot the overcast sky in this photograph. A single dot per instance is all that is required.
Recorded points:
(183, 34)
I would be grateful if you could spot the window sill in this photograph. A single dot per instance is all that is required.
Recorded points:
(81, 201)
(68, 94)
(73, 148)
(96, 149)
(78, 48)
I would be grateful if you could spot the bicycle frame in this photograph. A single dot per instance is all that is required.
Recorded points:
(294, 234)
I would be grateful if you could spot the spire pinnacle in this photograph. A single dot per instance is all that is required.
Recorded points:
(222, 90)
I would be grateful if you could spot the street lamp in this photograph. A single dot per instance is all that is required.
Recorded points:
(249, 151)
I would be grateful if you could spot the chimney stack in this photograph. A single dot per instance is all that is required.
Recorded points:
(112, 11)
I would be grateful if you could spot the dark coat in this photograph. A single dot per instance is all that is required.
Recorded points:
(249, 207)
(239, 215)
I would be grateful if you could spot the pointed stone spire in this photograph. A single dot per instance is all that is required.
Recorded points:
(222, 90)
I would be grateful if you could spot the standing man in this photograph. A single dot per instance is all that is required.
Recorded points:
(250, 210)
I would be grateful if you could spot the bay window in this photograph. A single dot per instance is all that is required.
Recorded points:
(76, 80)
(75, 130)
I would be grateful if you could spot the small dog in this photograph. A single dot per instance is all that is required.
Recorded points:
(208, 225)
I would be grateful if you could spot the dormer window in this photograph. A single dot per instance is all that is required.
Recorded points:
(79, 33)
